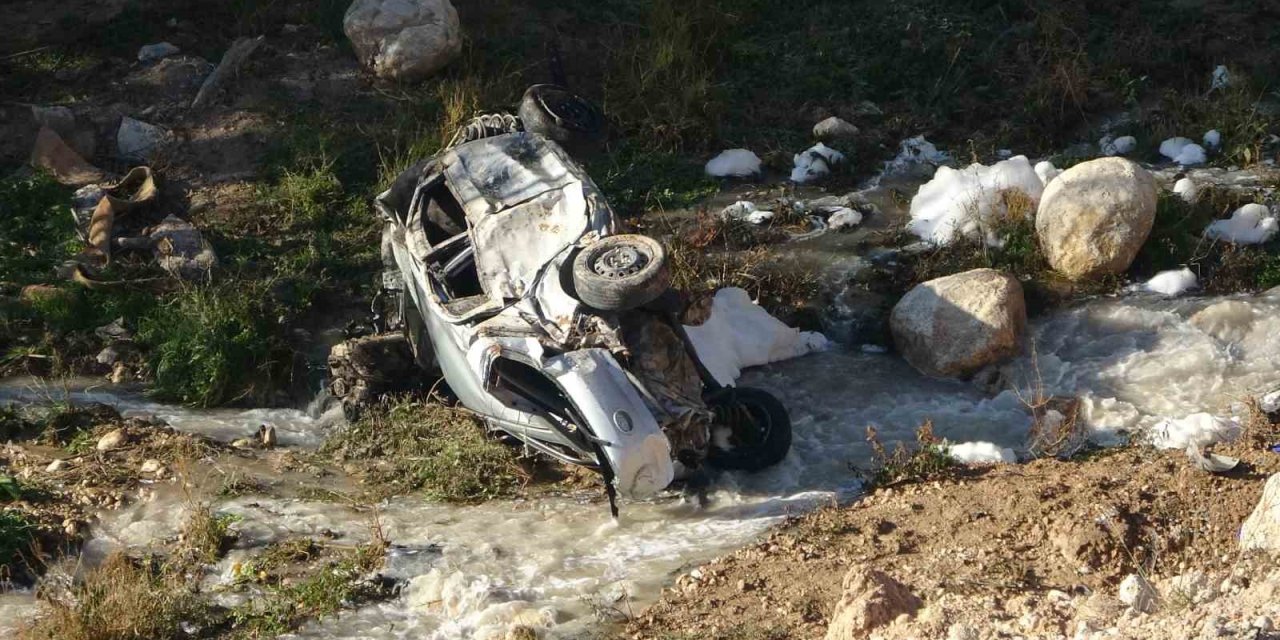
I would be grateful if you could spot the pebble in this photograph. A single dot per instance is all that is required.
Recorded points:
(56, 466)
(151, 465)
(242, 443)
(112, 440)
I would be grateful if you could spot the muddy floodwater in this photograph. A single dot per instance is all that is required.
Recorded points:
(1143, 364)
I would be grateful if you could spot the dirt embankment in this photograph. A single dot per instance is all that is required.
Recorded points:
(1036, 550)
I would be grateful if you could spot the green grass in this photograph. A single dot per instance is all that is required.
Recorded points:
(15, 539)
(38, 232)
(443, 452)
(216, 344)
(324, 592)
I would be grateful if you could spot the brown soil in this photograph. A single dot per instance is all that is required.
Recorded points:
(987, 539)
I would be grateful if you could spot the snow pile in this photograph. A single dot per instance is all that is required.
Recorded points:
(1250, 224)
(739, 334)
(1212, 139)
(1124, 145)
(1187, 189)
(914, 152)
(1221, 78)
(1182, 151)
(815, 163)
(1172, 283)
(746, 210)
(1047, 171)
(961, 202)
(734, 163)
(844, 218)
(1200, 429)
(981, 453)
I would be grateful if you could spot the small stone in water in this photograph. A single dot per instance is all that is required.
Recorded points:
(56, 466)
(112, 440)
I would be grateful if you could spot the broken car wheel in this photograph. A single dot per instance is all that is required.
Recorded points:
(621, 272)
(752, 430)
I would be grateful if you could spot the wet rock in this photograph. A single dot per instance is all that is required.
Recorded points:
(138, 140)
(109, 355)
(871, 599)
(1093, 219)
(1136, 592)
(1261, 530)
(152, 52)
(955, 325)
(404, 39)
(112, 440)
(834, 128)
(844, 218)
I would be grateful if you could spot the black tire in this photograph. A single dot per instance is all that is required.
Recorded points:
(760, 429)
(621, 272)
(561, 115)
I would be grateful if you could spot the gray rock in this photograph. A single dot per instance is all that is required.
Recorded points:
(112, 440)
(153, 52)
(1261, 530)
(956, 325)
(1138, 593)
(138, 140)
(181, 250)
(834, 128)
(404, 39)
(1093, 219)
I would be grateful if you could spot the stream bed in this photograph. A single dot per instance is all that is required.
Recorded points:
(1143, 364)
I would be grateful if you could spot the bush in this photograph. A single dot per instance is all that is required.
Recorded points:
(212, 345)
(15, 539)
(441, 451)
(37, 231)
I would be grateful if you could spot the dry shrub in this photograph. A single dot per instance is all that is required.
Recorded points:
(928, 459)
(122, 599)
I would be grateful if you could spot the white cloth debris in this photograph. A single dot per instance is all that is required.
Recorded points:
(981, 453)
(913, 152)
(746, 210)
(1200, 429)
(1187, 189)
(1221, 78)
(815, 163)
(1250, 224)
(739, 334)
(1182, 151)
(963, 202)
(844, 218)
(1047, 171)
(734, 163)
(1212, 139)
(1121, 146)
(1172, 283)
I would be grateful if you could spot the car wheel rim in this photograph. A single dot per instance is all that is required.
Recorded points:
(619, 262)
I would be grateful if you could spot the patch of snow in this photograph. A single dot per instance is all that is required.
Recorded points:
(1124, 145)
(1182, 151)
(1047, 171)
(981, 453)
(1187, 189)
(844, 218)
(913, 152)
(739, 333)
(1201, 429)
(1250, 224)
(734, 163)
(815, 163)
(962, 202)
(1221, 78)
(746, 210)
(1172, 283)
(1212, 139)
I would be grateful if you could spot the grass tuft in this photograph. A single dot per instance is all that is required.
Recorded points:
(927, 460)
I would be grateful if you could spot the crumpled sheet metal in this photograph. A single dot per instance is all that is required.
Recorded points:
(51, 153)
(662, 365)
(135, 191)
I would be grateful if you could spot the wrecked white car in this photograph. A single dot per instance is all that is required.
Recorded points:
(553, 327)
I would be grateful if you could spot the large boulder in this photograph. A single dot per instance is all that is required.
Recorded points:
(1261, 530)
(1093, 218)
(871, 599)
(404, 39)
(955, 325)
